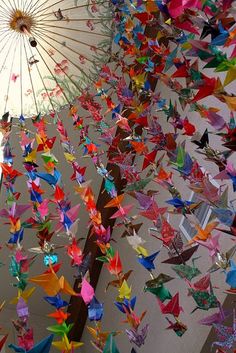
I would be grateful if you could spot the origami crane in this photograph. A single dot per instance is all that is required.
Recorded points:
(52, 285)
(110, 345)
(65, 346)
(204, 234)
(226, 334)
(42, 347)
(216, 318)
(172, 307)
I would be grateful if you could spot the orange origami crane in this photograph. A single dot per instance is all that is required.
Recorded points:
(59, 316)
(52, 285)
(204, 234)
(100, 337)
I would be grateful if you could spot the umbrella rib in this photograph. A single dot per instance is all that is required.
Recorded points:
(72, 39)
(58, 51)
(6, 18)
(21, 81)
(72, 8)
(4, 31)
(26, 4)
(29, 7)
(74, 29)
(10, 76)
(39, 73)
(15, 6)
(47, 7)
(11, 5)
(23, 4)
(58, 2)
(3, 22)
(9, 9)
(75, 84)
(74, 51)
(6, 11)
(9, 2)
(33, 5)
(55, 79)
(7, 54)
(30, 76)
(78, 20)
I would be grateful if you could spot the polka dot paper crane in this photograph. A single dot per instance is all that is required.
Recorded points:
(50, 51)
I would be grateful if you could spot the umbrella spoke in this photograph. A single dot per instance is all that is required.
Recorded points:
(42, 80)
(70, 79)
(44, 32)
(10, 79)
(30, 77)
(72, 8)
(66, 57)
(74, 30)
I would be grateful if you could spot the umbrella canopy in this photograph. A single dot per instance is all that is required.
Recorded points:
(50, 51)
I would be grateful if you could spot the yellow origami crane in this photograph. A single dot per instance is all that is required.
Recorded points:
(230, 101)
(69, 157)
(24, 295)
(141, 250)
(231, 75)
(66, 346)
(31, 157)
(124, 291)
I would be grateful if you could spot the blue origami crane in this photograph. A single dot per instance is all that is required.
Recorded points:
(231, 275)
(16, 237)
(43, 346)
(49, 178)
(147, 261)
(126, 304)
(95, 310)
(56, 301)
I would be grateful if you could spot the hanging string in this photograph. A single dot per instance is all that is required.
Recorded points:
(31, 81)
(21, 78)
(42, 80)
